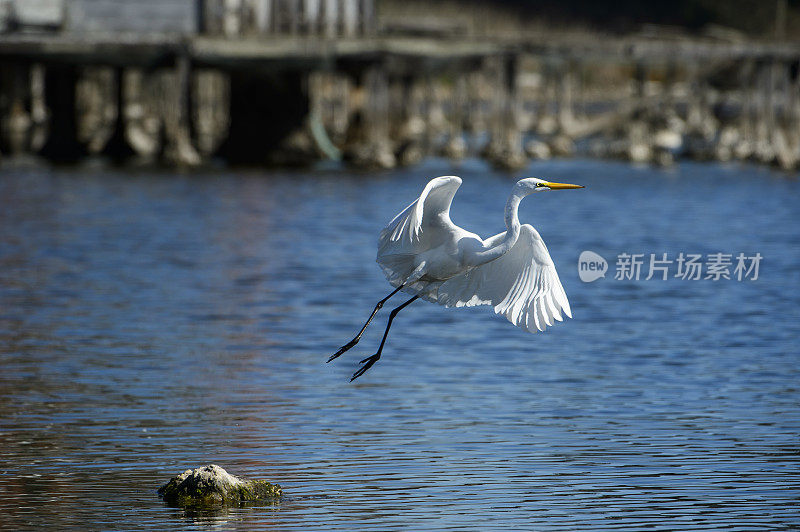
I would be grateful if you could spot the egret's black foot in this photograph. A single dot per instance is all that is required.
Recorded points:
(342, 349)
(368, 362)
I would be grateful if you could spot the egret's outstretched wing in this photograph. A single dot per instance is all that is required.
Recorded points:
(405, 236)
(522, 285)
(406, 228)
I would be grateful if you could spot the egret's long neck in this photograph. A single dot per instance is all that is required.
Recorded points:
(512, 217)
(498, 248)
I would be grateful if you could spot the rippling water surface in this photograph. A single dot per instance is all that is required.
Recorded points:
(151, 323)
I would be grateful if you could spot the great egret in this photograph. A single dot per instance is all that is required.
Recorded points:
(422, 252)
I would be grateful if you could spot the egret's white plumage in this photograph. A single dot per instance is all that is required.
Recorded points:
(436, 260)
(522, 285)
(424, 253)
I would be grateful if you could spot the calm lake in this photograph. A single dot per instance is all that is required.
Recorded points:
(150, 323)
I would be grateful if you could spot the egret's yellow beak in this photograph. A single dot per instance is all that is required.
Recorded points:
(560, 186)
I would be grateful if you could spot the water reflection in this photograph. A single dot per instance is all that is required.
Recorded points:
(153, 323)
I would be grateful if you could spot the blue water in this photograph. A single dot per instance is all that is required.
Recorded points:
(152, 323)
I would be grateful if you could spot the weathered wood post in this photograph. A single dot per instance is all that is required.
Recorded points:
(231, 18)
(329, 13)
(765, 118)
(456, 147)
(411, 125)
(546, 121)
(566, 113)
(517, 159)
(746, 75)
(15, 123)
(175, 105)
(376, 149)
(141, 117)
(349, 17)
(506, 152)
(368, 142)
(784, 138)
(561, 143)
(293, 15)
(367, 17)
(40, 114)
(210, 103)
(475, 120)
(434, 117)
(96, 107)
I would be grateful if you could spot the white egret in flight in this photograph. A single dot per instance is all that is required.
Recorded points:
(423, 253)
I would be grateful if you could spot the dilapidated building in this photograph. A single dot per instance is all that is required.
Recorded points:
(190, 17)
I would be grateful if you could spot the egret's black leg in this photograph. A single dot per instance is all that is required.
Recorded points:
(355, 340)
(369, 361)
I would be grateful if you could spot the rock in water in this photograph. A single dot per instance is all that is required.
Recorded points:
(212, 486)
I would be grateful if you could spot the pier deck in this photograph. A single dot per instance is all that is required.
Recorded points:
(135, 49)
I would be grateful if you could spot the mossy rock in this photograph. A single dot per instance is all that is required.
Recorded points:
(213, 486)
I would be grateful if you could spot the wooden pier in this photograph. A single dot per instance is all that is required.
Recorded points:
(275, 85)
